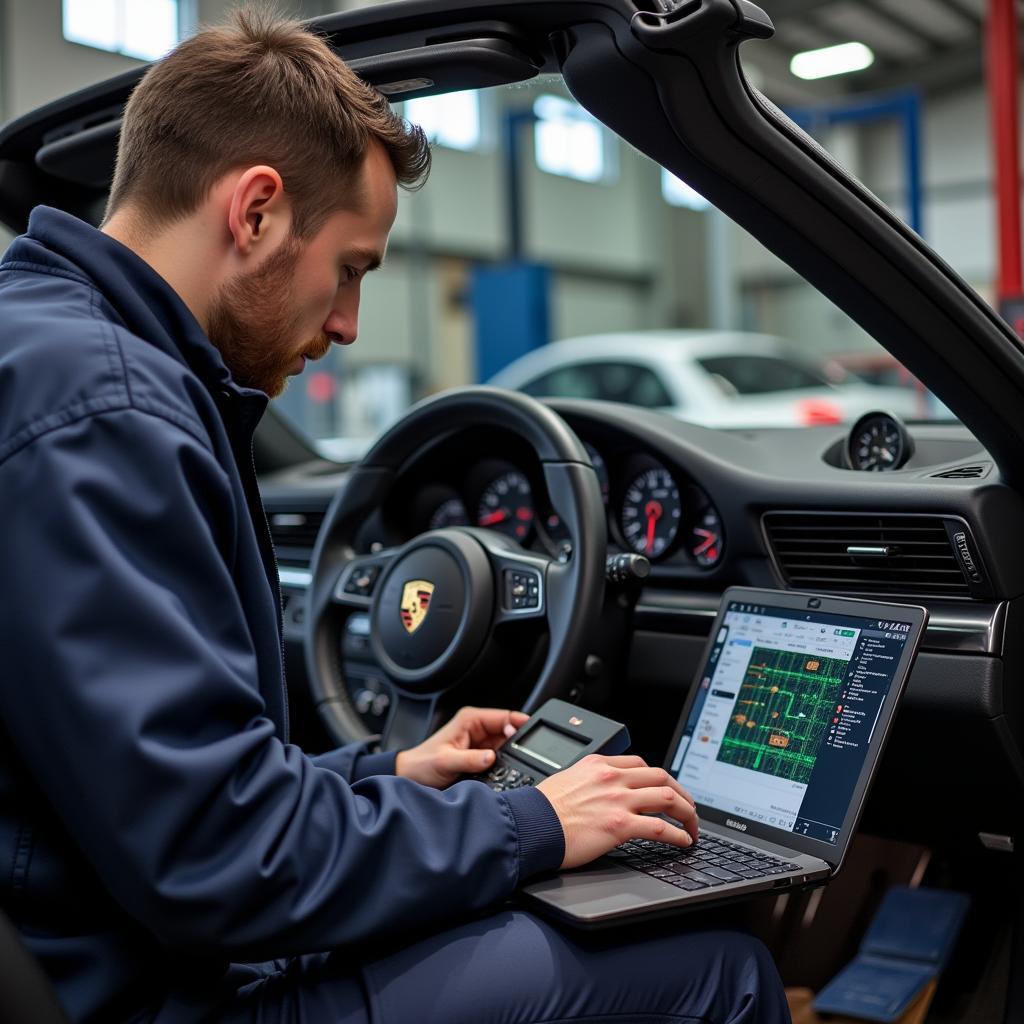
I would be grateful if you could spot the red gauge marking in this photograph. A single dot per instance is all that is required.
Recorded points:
(706, 544)
(524, 514)
(653, 512)
(492, 518)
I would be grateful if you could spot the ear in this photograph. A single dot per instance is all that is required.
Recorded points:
(258, 212)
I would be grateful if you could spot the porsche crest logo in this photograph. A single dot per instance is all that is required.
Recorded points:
(416, 597)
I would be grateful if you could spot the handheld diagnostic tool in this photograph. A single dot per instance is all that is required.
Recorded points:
(558, 735)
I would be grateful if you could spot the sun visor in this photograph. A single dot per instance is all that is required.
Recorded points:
(446, 67)
(86, 156)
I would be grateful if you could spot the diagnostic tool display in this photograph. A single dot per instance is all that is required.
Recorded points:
(558, 735)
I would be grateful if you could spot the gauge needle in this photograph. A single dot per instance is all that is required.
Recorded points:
(653, 512)
(708, 542)
(498, 516)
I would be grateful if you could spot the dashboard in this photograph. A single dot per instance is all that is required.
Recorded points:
(710, 509)
(653, 507)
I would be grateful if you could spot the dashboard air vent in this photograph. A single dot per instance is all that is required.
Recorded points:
(974, 472)
(867, 554)
(294, 529)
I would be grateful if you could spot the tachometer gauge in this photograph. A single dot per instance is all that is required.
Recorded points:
(449, 513)
(507, 505)
(878, 442)
(651, 511)
(706, 538)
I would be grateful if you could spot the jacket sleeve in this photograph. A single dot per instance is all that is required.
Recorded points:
(128, 687)
(356, 761)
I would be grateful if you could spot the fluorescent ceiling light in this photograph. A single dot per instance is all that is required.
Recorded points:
(832, 60)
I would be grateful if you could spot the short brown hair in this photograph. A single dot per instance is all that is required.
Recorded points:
(259, 90)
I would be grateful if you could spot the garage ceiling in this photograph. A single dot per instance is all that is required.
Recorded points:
(936, 45)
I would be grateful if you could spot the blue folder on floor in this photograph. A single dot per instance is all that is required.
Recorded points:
(906, 946)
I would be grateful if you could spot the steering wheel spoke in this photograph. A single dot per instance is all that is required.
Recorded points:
(412, 720)
(357, 581)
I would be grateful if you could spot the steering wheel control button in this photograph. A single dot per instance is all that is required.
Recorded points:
(522, 589)
(356, 638)
(358, 580)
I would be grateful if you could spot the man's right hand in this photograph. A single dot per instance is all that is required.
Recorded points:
(603, 801)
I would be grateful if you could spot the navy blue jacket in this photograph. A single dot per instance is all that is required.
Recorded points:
(155, 824)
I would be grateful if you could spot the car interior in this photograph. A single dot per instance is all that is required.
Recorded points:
(523, 490)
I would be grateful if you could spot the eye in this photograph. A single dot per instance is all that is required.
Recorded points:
(351, 273)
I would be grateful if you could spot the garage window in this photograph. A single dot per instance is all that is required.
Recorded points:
(145, 29)
(451, 120)
(569, 141)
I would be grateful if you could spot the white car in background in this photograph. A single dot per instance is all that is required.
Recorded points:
(716, 378)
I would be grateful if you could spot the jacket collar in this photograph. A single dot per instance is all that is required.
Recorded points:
(146, 304)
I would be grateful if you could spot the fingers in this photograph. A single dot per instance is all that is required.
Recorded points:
(661, 831)
(641, 778)
(453, 761)
(490, 726)
(665, 800)
(622, 760)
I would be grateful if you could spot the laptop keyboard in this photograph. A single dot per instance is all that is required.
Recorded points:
(710, 862)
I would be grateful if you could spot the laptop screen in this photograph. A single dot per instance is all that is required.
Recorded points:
(784, 715)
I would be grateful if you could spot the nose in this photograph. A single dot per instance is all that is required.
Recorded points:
(344, 319)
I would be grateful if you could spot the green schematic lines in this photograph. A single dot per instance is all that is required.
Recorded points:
(786, 702)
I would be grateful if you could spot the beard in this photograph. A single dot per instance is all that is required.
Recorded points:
(253, 322)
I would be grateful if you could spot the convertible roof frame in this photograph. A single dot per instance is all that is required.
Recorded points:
(665, 75)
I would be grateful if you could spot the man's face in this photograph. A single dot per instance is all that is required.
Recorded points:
(305, 295)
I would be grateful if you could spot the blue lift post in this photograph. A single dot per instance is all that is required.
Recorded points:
(510, 301)
(904, 106)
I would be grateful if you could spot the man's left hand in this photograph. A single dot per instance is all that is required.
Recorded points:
(465, 746)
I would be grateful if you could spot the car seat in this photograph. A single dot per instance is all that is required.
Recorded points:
(26, 995)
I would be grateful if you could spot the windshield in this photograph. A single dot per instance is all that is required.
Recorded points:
(598, 276)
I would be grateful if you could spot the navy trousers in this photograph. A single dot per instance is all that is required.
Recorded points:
(514, 968)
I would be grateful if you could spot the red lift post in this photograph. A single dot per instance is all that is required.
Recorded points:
(1003, 69)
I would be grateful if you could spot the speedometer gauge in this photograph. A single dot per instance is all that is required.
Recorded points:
(506, 505)
(651, 511)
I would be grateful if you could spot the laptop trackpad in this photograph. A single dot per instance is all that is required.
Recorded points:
(604, 888)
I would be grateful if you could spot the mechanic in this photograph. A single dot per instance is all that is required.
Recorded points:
(162, 842)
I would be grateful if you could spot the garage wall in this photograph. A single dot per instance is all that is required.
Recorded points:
(959, 209)
(654, 272)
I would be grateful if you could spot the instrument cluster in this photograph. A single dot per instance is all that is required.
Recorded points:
(652, 508)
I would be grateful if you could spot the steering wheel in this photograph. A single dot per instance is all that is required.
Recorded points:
(435, 602)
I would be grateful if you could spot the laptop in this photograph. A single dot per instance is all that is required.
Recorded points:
(778, 742)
